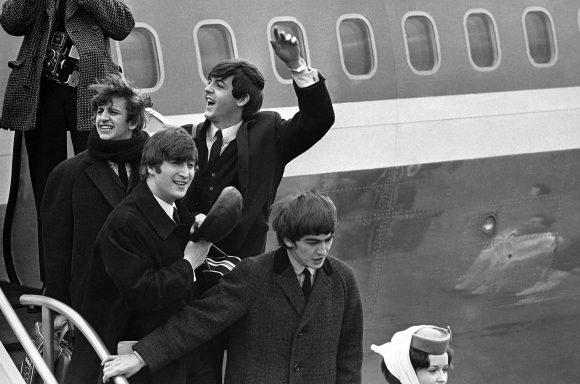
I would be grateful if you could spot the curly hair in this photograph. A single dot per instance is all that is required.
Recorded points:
(112, 86)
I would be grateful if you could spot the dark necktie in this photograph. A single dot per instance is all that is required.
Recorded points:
(307, 284)
(216, 148)
(176, 216)
(123, 174)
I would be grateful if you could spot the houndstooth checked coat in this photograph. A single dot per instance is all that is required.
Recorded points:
(89, 23)
(274, 336)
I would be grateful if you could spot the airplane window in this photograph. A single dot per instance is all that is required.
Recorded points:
(140, 58)
(356, 45)
(482, 40)
(540, 37)
(295, 29)
(213, 43)
(421, 41)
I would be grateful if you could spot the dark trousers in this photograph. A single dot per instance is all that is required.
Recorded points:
(46, 145)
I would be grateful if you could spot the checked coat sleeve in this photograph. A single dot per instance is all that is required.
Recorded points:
(220, 307)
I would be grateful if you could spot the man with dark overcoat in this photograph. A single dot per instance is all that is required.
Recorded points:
(142, 271)
(295, 314)
(83, 190)
(252, 148)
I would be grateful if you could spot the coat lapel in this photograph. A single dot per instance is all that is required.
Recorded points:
(71, 8)
(243, 159)
(286, 278)
(100, 174)
(155, 215)
(50, 10)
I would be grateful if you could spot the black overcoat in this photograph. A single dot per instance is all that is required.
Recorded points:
(138, 278)
(80, 193)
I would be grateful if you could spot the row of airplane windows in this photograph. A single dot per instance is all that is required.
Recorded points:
(141, 57)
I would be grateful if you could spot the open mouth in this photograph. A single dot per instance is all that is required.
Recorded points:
(180, 183)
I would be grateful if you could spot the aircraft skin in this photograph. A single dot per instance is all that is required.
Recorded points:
(458, 190)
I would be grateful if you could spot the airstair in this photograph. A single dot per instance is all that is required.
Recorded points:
(9, 373)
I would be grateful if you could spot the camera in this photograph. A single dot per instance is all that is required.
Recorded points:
(61, 60)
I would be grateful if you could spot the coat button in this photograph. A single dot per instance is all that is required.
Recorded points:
(297, 368)
(212, 174)
(211, 188)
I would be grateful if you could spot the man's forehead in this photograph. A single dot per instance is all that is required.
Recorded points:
(227, 79)
(116, 100)
(317, 237)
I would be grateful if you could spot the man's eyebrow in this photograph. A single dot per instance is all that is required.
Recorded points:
(314, 238)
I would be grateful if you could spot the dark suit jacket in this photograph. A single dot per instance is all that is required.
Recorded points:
(275, 337)
(266, 143)
(80, 193)
(90, 23)
(138, 277)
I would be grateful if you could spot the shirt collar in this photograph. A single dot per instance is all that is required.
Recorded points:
(228, 134)
(299, 268)
(168, 208)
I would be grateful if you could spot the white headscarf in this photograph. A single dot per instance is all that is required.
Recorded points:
(396, 355)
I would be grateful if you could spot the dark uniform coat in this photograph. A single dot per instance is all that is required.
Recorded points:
(266, 143)
(80, 194)
(89, 23)
(275, 336)
(138, 277)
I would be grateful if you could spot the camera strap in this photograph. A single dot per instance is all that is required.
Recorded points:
(59, 14)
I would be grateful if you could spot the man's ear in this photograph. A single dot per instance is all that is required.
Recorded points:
(288, 243)
(243, 100)
(151, 170)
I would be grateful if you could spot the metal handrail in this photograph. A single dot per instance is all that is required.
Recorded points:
(48, 306)
(25, 340)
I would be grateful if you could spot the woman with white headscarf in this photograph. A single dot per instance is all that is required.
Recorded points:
(418, 355)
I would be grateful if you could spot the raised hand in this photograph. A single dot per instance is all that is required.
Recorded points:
(286, 48)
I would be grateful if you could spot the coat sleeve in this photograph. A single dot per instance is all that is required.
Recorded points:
(18, 16)
(113, 16)
(128, 262)
(56, 214)
(309, 124)
(204, 318)
(350, 355)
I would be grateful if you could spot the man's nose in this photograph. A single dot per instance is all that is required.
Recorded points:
(183, 170)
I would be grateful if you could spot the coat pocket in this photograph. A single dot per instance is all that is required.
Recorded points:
(13, 64)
